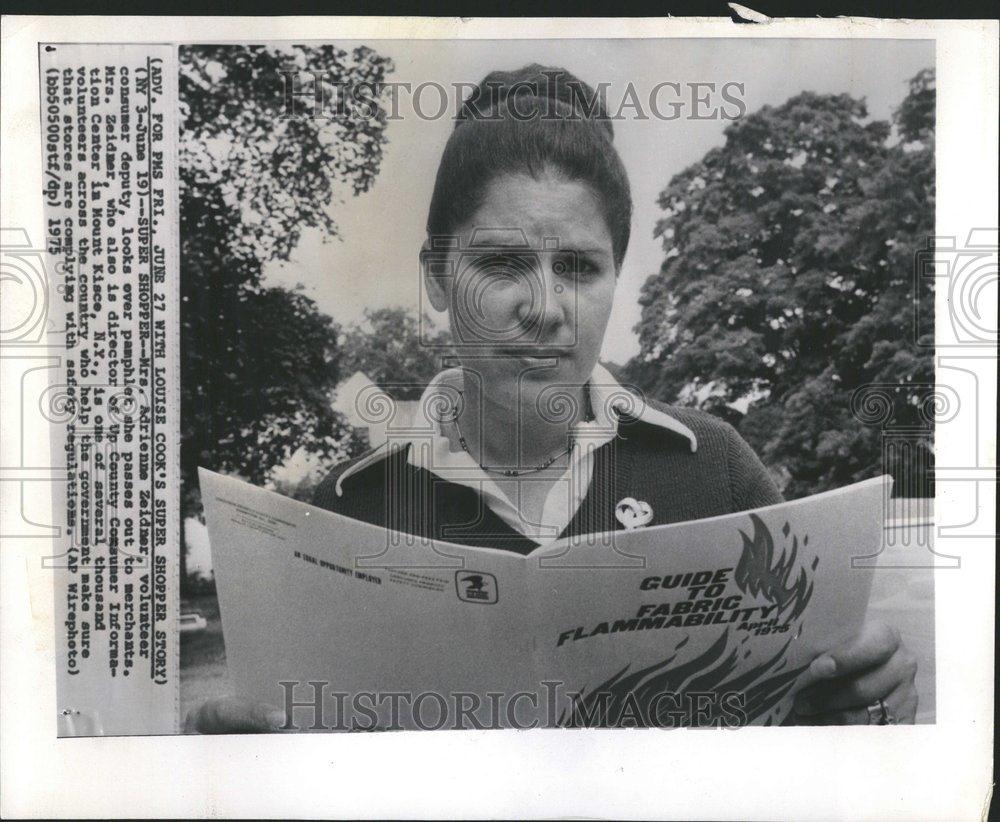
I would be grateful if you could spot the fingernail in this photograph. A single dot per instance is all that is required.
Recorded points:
(823, 667)
(276, 718)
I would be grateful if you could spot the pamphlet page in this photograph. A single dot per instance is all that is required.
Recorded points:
(707, 622)
(303, 600)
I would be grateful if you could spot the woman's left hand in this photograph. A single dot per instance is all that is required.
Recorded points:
(872, 666)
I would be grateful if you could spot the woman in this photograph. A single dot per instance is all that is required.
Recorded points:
(529, 439)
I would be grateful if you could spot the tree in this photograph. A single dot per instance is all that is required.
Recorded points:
(788, 286)
(396, 350)
(259, 363)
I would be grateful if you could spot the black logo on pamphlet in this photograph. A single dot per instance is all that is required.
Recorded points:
(476, 586)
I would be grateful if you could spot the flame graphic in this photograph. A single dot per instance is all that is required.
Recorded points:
(758, 573)
(759, 690)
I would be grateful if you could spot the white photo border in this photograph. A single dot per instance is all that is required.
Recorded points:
(938, 771)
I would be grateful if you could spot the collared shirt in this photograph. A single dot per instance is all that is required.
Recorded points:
(430, 448)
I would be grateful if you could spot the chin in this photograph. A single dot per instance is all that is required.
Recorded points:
(503, 375)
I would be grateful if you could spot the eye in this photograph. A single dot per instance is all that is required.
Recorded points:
(502, 270)
(574, 265)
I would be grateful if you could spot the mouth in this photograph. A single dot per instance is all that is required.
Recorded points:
(537, 355)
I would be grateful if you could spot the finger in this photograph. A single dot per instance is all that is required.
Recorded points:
(901, 706)
(235, 715)
(858, 691)
(874, 645)
(850, 716)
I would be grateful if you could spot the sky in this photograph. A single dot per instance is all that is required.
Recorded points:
(374, 264)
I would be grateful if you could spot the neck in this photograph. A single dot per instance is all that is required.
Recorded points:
(518, 438)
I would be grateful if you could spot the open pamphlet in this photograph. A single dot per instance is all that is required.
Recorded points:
(349, 626)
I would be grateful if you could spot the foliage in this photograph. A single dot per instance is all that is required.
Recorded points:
(396, 350)
(259, 363)
(788, 285)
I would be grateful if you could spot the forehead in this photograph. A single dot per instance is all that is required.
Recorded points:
(542, 208)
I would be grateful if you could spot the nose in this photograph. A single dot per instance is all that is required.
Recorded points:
(542, 303)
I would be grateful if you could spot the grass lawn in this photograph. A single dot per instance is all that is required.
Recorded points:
(203, 656)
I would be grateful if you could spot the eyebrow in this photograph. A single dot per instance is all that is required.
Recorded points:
(583, 252)
(574, 248)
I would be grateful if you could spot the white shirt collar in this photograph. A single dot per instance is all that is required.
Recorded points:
(429, 448)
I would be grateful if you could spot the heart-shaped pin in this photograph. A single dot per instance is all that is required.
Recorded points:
(633, 513)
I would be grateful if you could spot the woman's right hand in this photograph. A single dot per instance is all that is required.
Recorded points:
(234, 715)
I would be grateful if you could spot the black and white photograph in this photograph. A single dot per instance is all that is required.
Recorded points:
(526, 294)
(547, 385)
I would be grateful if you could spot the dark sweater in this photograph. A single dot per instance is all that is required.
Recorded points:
(644, 461)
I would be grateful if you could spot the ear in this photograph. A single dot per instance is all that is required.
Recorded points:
(434, 282)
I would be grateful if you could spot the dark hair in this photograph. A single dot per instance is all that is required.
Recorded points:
(524, 122)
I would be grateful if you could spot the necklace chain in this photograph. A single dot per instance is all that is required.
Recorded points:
(510, 472)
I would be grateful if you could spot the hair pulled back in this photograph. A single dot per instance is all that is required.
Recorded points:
(530, 121)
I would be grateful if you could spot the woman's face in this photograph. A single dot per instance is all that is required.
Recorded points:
(529, 287)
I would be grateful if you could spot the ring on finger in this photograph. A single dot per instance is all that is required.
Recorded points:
(879, 714)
